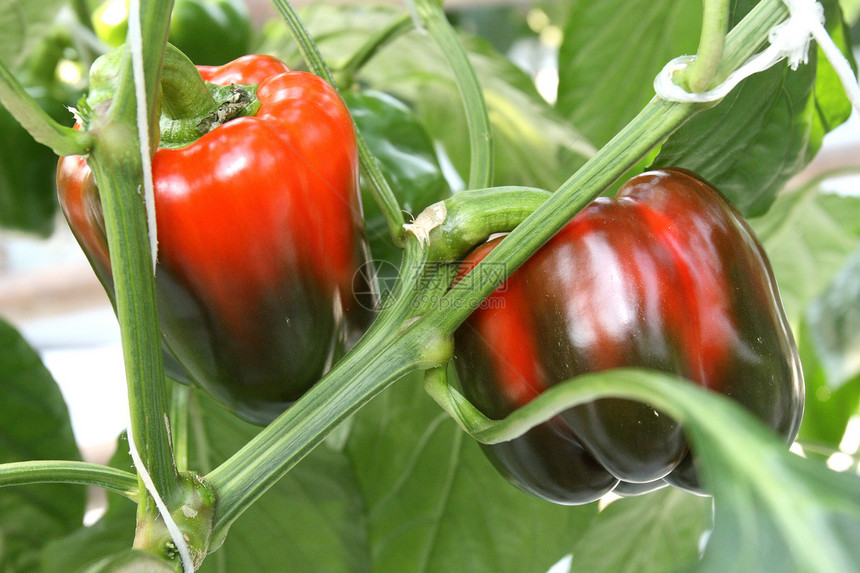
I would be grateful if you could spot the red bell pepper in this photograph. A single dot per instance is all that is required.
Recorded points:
(259, 239)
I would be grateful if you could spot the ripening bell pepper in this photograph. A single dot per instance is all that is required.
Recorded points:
(666, 276)
(259, 236)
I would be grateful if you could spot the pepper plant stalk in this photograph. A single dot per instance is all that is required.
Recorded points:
(379, 187)
(715, 23)
(481, 146)
(117, 162)
(386, 353)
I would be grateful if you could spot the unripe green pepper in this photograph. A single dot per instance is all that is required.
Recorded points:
(210, 32)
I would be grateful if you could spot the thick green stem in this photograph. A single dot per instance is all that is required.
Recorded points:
(62, 471)
(117, 163)
(472, 216)
(379, 187)
(44, 129)
(715, 23)
(480, 132)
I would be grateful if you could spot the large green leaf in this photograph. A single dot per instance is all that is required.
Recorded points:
(774, 511)
(34, 424)
(808, 236)
(753, 141)
(311, 520)
(535, 146)
(612, 51)
(651, 533)
(23, 24)
(406, 156)
(434, 503)
(766, 130)
(28, 193)
(828, 409)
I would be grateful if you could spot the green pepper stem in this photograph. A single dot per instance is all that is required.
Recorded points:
(44, 129)
(179, 418)
(114, 166)
(432, 16)
(379, 186)
(63, 471)
(472, 216)
(715, 23)
(184, 93)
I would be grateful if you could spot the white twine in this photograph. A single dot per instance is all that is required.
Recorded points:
(416, 19)
(788, 40)
(172, 528)
(135, 42)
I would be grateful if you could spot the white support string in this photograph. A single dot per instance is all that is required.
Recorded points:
(172, 528)
(788, 40)
(416, 19)
(135, 42)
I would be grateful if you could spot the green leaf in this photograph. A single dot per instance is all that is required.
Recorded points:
(808, 236)
(34, 424)
(834, 324)
(534, 145)
(434, 503)
(405, 151)
(311, 520)
(611, 53)
(23, 24)
(751, 143)
(774, 511)
(657, 532)
(827, 409)
(764, 132)
(832, 105)
(28, 193)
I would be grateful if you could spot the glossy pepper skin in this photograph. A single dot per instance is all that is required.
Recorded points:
(666, 276)
(260, 238)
